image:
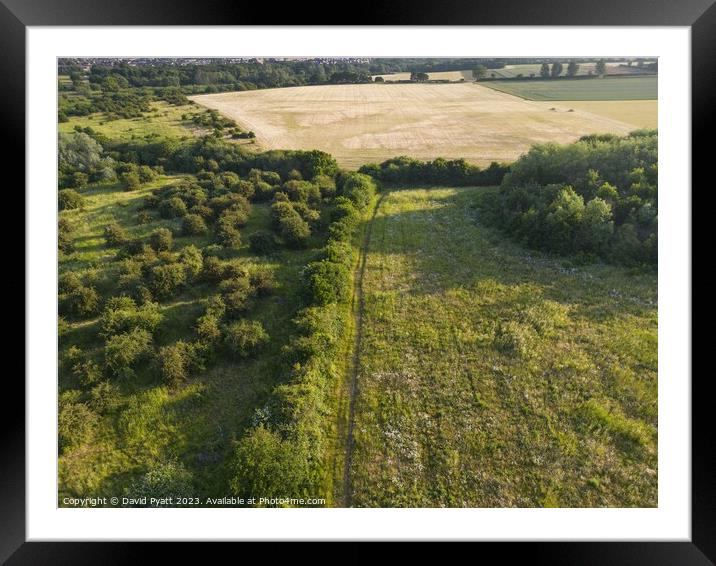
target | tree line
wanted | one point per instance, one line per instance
(596, 198)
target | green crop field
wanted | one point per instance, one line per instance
(533, 69)
(632, 88)
(490, 376)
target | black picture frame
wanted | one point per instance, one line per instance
(699, 15)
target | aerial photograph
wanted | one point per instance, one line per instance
(357, 282)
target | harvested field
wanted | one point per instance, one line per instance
(373, 122)
(436, 76)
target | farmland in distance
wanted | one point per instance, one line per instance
(373, 122)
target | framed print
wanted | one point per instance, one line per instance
(398, 280)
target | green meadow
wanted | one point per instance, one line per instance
(490, 376)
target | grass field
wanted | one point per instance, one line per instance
(373, 122)
(493, 377)
(165, 120)
(632, 88)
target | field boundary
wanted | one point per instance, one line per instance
(357, 303)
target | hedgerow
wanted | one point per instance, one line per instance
(287, 451)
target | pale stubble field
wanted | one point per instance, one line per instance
(372, 122)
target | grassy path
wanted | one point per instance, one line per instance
(358, 306)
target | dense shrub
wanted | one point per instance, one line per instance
(77, 151)
(293, 229)
(166, 279)
(208, 328)
(83, 301)
(328, 282)
(69, 199)
(302, 191)
(173, 207)
(161, 239)
(213, 269)
(167, 481)
(407, 170)
(87, 372)
(227, 227)
(264, 463)
(65, 233)
(115, 235)
(193, 261)
(236, 294)
(130, 180)
(358, 188)
(193, 225)
(326, 185)
(596, 197)
(104, 397)
(121, 314)
(173, 363)
(262, 279)
(244, 337)
(76, 424)
(122, 351)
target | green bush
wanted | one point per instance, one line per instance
(192, 260)
(328, 282)
(130, 180)
(161, 239)
(76, 424)
(173, 207)
(208, 328)
(65, 233)
(262, 279)
(68, 283)
(83, 302)
(104, 397)
(244, 337)
(115, 235)
(121, 314)
(173, 363)
(165, 280)
(213, 270)
(87, 372)
(295, 231)
(236, 294)
(69, 199)
(165, 481)
(193, 225)
(359, 188)
(265, 464)
(122, 351)
(227, 227)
